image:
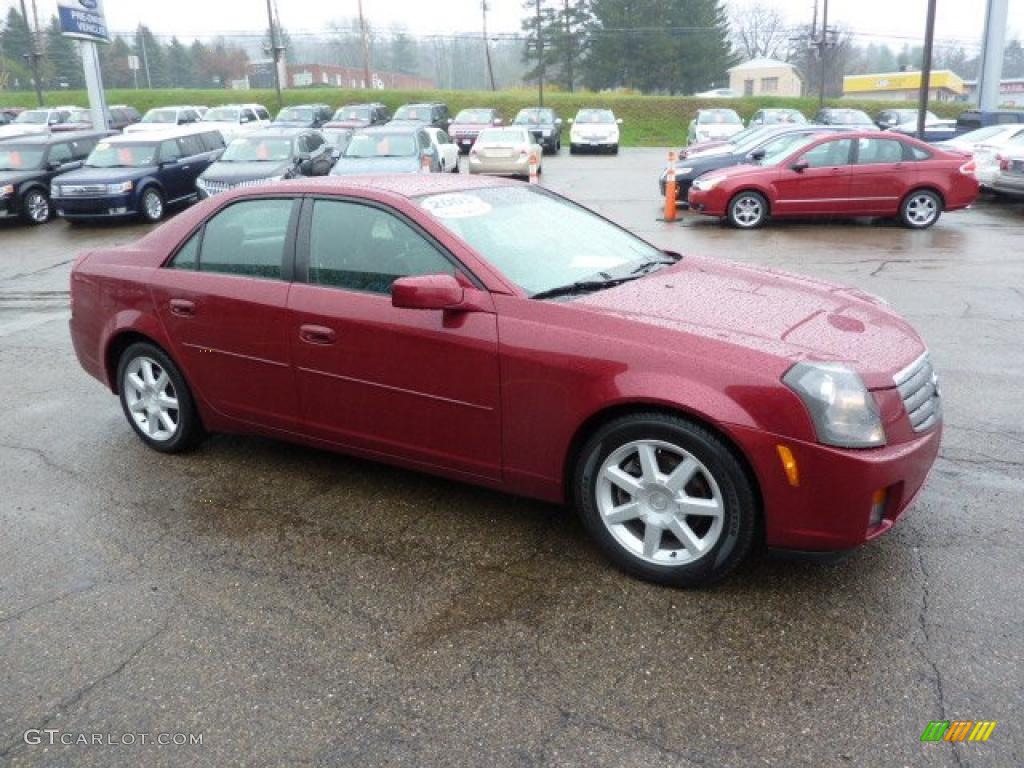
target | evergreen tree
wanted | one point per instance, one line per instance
(115, 65)
(152, 57)
(16, 44)
(64, 64)
(181, 69)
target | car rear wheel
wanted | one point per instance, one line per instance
(666, 499)
(156, 400)
(36, 207)
(152, 205)
(920, 209)
(748, 210)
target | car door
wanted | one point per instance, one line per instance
(880, 176)
(173, 170)
(815, 181)
(222, 301)
(420, 384)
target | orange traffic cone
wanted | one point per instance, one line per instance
(534, 170)
(670, 188)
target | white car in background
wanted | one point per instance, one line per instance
(506, 151)
(234, 120)
(717, 93)
(36, 121)
(985, 145)
(713, 125)
(595, 129)
(447, 150)
(162, 118)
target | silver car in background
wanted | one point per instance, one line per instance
(505, 152)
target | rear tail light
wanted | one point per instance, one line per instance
(969, 168)
(1004, 162)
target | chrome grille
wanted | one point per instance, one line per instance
(83, 190)
(918, 385)
(215, 187)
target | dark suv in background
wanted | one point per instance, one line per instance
(432, 113)
(544, 124)
(360, 115)
(304, 116)
(138, 174)
(29, 164)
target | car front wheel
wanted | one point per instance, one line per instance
(666, 499)
(152, 205)
(920, 209)
(748, 210)
(156, 400)
(36, 207)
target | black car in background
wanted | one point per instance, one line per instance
(304, 116)
(749, 151)
(120, 116)
(361, 115)
(267, 155)
(973, 119)
(7, 116)
(851, 118)
(138, 174)
(30, 163)
(890, 118)
(544, 124)
(433, 113)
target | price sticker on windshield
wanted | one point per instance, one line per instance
(456, 206)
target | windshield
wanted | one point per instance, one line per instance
(221, 115)
(506, 136)
(748, 139)
(595, 116)
(413, 113)
(352, 113)
(33, 117)
(250, 150)
(295, 115)
(474, 116)
(161, 116)
(537, 240)
(777, 151)
(849, 117)
(337, 137)
(381, 145)
(122, 156)
(719, 116)
(534, 116)
(777, 116)
(20, 158)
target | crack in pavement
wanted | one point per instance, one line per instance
(48, 601)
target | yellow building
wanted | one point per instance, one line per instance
(765, 77)
(944, 85)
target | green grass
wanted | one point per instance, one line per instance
(651, 121)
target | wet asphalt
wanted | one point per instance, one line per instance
(298, 608)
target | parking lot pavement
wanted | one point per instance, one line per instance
(300, 608)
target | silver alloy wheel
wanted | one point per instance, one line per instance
(153, 205)
(922, 209)
(660, 502)
(747, 211)
(151, 398)
(37, 207)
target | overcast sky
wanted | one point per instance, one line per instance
(892, 21)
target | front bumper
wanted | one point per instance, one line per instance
(512, 166)
(8, 207)
(830, 509)
(1008, 184)
(711, 202)
(106, 207)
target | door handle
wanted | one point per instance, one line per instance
(838, 171)
(183, 308)
(317, 334)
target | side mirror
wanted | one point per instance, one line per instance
(53, 165)
(619, 121)
(757, 154)
(800, 166)
(427, 292)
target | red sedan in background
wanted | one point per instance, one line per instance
(862, 174)
(496, 333)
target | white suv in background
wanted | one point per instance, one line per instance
(234, 120)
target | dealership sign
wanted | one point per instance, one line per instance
(83, 19)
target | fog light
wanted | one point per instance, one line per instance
(789, 465)
(118, 211)
(878, 499)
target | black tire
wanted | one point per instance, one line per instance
(920, 209)
(35, 207)
(189, 429)
(615, 149)
(738, 498)
(154, 211)
(747, 210)
(573, 149)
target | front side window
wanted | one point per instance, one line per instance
(363, 248)
(828, 154)
(247, 239)
(169, 150)
(60, 153)
(187, 256)
(873, 151)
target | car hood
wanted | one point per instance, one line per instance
(596, 128)
(705, 163)
(103, 175)
(376, 165)
(291, 124)
(234, 173)
(348, 124)
(16, 177)
(23, 129)
(790, 317)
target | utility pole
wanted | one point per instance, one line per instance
(145, 58)
(367, 76)
(992, 54)
(275, 51)
(926, 68)
(540, 55)
(487, 45)
(34, 54)
(823, 47)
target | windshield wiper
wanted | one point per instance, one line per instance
(651, 266)
(584, 286)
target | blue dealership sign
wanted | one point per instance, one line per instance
(83, 20)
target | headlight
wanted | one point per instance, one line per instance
(843, 410)
(684, 171)
(120, 189)
(7, 190)
(709, 183)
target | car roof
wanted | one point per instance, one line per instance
(281, 131)
(393, 127)
(45, 139)
(405, 185)
(148, 137)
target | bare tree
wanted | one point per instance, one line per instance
(758, 30)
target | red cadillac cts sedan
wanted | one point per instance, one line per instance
(496, 333)
(848, 174)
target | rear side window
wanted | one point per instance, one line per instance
(247, 239)
(60, 153)
(262, 113)
(80, 149)
(188, 255)
(191, 145)
(917, 153)
(213, 140)
(874, 151)
(169, 150)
